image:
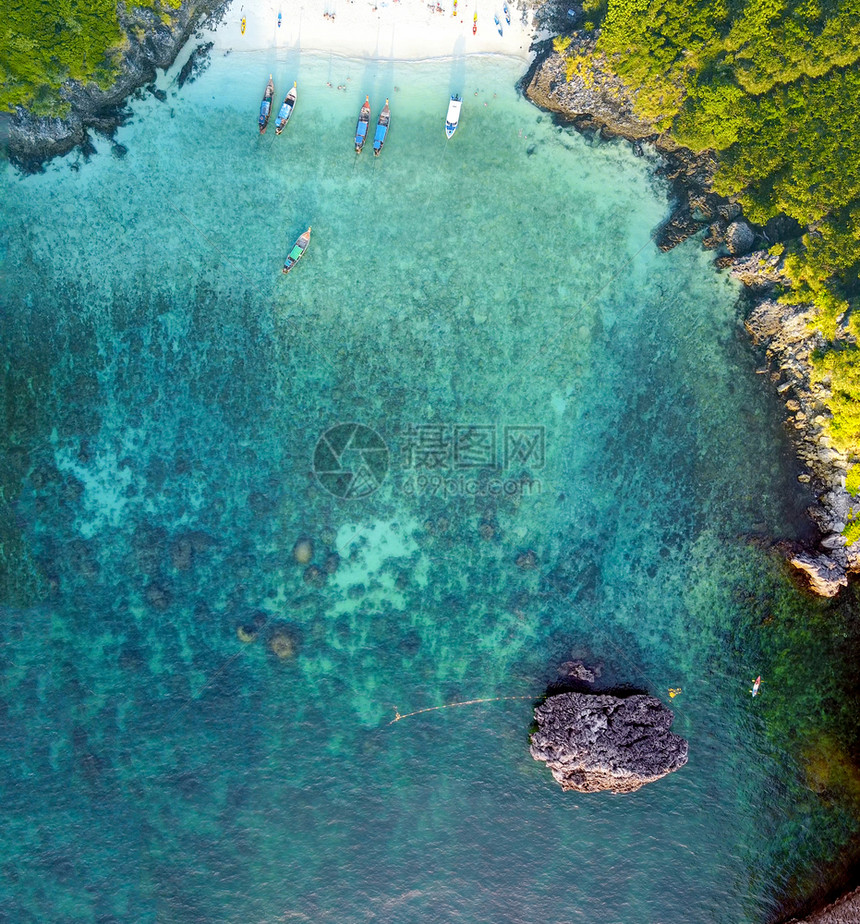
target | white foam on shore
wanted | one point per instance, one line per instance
(366, 29)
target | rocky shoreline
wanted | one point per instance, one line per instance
(595, 100)
(845, 910)
(151, 44)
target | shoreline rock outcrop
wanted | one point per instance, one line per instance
(596, 100)
(597, 742)
(845, 910)
(151, 44)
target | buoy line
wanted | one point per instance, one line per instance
(468, 702)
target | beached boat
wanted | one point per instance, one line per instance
(298, 251)
(382, 127)
(475, 25)
(361, 128)
(498, 24)
(452, 119)
(507, 13)
(266, 105)
(286, 110)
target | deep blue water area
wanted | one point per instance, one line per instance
(483, 428)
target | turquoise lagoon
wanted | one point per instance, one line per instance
(543, 380)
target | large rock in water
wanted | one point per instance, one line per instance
(597, 742)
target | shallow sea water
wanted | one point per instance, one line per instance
(544, 381)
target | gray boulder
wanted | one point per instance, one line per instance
(599, 742)
(740, 238)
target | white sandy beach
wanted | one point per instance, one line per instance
(377, 29)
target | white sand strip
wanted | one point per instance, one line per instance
(377, 29)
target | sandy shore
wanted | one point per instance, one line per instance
(377, 29)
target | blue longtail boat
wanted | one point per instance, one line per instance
(382, 127)
(286, 110)
(266, 105)
(361, 128)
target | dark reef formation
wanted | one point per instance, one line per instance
(596, 742)
(595, 100)
(152, 43)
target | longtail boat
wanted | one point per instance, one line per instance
(507, 13)
(498, 24)
(298, 251)
(286, 110)
(382, 127)
(475, 25)
(361, 128)
(266, 105)
(452, 119)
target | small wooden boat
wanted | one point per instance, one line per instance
(286, 110)
(475, 25)
(452, 119)
(266, 105)
(363, 123)
(243, 25)
(298, 251)
(507, 13)
(382, 127)
(756, 686)
(498, 24)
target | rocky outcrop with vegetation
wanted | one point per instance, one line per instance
(52, 106)
(575, 78)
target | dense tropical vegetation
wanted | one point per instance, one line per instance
(45, 42)
(773, 86)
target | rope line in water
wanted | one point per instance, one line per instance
(467, 702)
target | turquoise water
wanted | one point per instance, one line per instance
(542, 380)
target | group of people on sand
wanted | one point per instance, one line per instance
(328, 16)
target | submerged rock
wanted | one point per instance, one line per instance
(594, 743)
(197, 64)
(303, 551)
(284, 642)
(576, 670)
(246, 634)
